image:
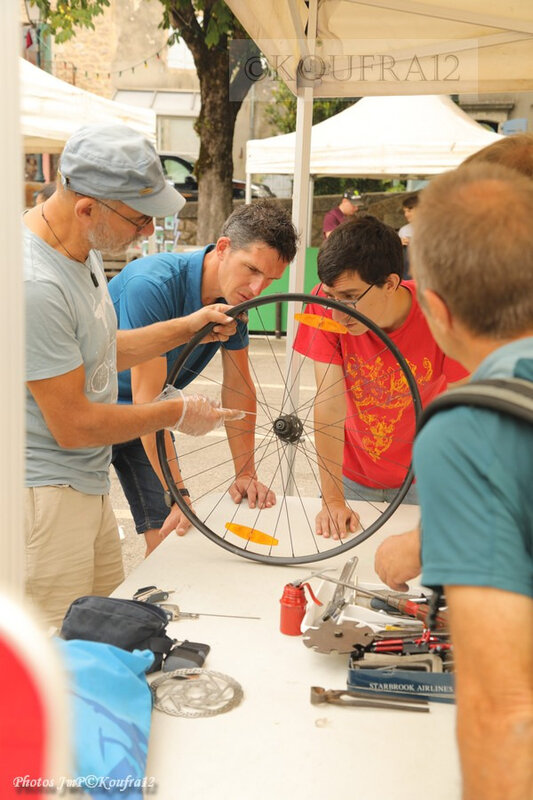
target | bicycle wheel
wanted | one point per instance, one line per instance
(282, 437)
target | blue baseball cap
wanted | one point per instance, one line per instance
(115, 162)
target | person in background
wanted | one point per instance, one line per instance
(44, 193)
(110, 186)
(409, 210)
(255, 246)
(472, 254)
(409, 206)
(348, 206)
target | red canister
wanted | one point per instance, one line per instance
(293, 605)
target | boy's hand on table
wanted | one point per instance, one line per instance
(336, 520)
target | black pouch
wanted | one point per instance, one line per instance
(124, 623)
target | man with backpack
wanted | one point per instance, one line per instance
(472, 253)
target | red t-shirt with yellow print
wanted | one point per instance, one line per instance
(380, 424)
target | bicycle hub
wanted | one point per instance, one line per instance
(288, 428)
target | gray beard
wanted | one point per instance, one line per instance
(102, 238)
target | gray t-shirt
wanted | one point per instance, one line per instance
(69, 322)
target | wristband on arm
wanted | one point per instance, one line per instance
(169, 500)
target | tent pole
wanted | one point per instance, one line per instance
(300, 204)
(311, 197)
(300, 199)
(248, 189)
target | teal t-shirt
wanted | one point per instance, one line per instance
(159, 288)
(474, 470)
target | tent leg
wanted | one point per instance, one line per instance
(300, 203)
(311, 196)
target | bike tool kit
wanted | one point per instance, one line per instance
(397, 643)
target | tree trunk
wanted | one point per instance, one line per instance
(215, 126)
(219, 104)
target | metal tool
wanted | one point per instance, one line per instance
(331, 637)
(338, 599)
(344, 697)
(425, 643)
(405, 632)
(176, 613)
(151, 594)
(195, 693)
(406, 606)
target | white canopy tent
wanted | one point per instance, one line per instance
(379, 137)
(354, 48)
(51, 110)
(360, 48)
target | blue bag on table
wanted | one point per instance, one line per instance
(111, 715)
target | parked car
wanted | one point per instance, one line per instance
(180, 171)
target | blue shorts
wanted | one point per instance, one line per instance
(140, 484)
(356, 491)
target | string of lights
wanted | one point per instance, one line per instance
(58, 60)
(109, 73)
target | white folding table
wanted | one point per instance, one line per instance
(275, 744)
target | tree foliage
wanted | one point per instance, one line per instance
(208, 28)
(61, 19)
(213, 21)
(282, 113)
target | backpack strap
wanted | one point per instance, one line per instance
(512, 396)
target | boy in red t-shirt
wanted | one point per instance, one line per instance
(368, 428)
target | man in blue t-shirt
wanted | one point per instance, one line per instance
(472, 253)
(256, 244)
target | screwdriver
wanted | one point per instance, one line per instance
(434, 644)
(176, 613)
(409, 608)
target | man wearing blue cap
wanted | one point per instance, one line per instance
(110, 186)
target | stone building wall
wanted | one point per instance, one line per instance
(386, 206)
(86, 58)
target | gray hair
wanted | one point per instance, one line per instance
(264, 221)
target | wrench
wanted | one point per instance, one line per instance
(343, 697)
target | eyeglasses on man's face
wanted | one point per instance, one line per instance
(139, 224)
(349, 302)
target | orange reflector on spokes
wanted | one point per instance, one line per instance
(252, 534)
(322, 323)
